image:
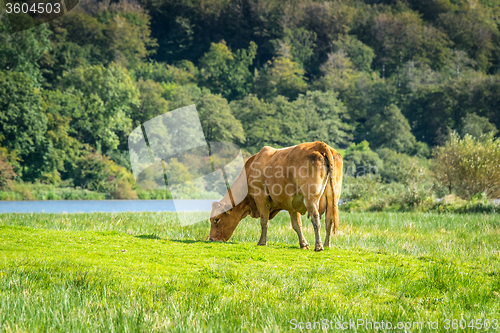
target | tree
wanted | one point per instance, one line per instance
(360, 160)
(477, 126)
(282, 76)
(216, 116)
(328, 20)
(181, 95)
(398, 38)
(326, 118)
(20, 52)
(226, 73)
(291, 119)
(280, 123)
(7, 162)
(359, 54)
(101, 33)
(430, 9)
(469, 166)
(151, 102)
(62, 147)
(217, 121)
(128, 32)
(107, 96)
(183, 73)
(22, 123)
(390, 129)
(399, 167)
(301, 43)
(366, 97)
(477, 39)
(96, 172)
(432, 109)
(338, 72)
(259, 121)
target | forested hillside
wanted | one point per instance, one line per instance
(386, 80)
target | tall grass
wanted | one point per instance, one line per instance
(460, 236)
(145, 272)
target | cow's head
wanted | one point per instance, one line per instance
(223, 221)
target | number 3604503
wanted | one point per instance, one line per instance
(35, 8)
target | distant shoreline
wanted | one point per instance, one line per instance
(106, 206)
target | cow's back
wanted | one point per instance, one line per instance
(283, 177)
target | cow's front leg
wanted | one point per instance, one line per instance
(264, 223)
(297, 226)
(315, 220)
(263, 207)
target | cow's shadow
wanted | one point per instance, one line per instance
(184, 241)
(190, 241)
(152, 236)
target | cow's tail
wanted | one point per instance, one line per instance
(332, 203)
(332, 171)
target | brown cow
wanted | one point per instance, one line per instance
(298, 179)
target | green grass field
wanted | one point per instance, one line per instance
(144, 272)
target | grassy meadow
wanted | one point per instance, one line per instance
(141, 272)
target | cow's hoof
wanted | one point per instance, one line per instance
(318, 248)
(261, 244)
(305, 247)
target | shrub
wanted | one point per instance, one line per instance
(477, 126)
(96, 172)
(358, 187)
(93, 172)
(469, 166)
(417, 193)
(400, 167)
(478, 204)
(7, 174)
(154, 194)
(368, 193)
(360, 160)
(38, 191)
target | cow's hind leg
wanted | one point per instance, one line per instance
(312, 208)
(297, 226)
(329, 216)
(332, 222)
(332, 215)
(329, 227)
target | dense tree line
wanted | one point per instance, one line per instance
(391, 76)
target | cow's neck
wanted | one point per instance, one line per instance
(241, 210)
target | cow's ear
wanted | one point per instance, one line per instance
(215, 205)
(227, 208)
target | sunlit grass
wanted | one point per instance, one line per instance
(143, 272)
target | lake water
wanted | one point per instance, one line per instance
(90, 206)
